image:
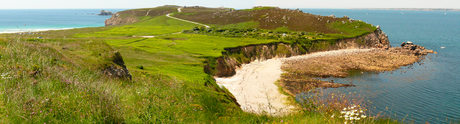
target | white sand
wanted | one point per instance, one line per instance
(254, 86)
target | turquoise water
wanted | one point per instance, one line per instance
(427, 91)
(49, 19)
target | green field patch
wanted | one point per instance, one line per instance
(350, 30)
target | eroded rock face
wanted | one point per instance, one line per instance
(226, 65)
(117, 71)
(117, 20)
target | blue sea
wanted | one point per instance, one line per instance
(428, 91)
(29, 20)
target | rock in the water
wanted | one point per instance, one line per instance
(409, 43)
(105, 13)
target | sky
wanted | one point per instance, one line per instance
(238, 4)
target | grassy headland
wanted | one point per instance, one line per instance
(59, 78)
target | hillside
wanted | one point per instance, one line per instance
(63, 76)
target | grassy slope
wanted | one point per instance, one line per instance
(171, 86)
(272, 18)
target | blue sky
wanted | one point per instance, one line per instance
(238, 4)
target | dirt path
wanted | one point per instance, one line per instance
(254, 86)
(168, 15)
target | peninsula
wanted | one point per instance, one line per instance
(178, 64)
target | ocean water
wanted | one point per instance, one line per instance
(29, 20)
(423, 92)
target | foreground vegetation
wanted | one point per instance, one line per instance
(58, 78)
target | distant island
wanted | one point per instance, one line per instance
(105, 13)
(411, 9)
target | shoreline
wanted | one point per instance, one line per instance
(254, 86)
(36, 30)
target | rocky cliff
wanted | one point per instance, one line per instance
(233, 57)
(117, 20)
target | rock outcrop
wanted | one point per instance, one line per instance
(118, 69)
(105, 13)
(117, 20)
(411, 48)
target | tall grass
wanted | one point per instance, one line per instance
(38, 86)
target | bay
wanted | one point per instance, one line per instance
(423, 92)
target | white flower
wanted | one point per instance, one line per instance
(358, 118)
(352, 118)
(340, 116)
(344, 109)
(343, 112)
(332, 116)
(361, 111)
(347, 118)
(363, 116)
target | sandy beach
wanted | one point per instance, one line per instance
(254, 86)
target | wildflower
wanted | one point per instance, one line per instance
(361, 111)
(343, 112)
(281, 121)
(332, 116)
(352, 118)
(358, 118)
(350, 113)
(363, 116)
(344, 109)
(340, 116)
(346, 118)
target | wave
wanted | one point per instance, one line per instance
(6, 31)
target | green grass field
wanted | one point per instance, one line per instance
(57, 79)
